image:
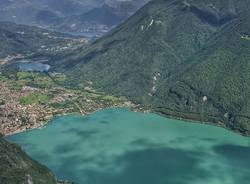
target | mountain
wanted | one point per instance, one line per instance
(28, 40)
(98, 20)
(16, 167)
(184, 58)
(69, 15)
(31, 11)
(125, 7)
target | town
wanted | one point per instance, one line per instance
(31, 99)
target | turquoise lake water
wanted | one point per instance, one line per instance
(117, 146)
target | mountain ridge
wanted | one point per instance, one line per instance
(68, 15)
(16, 167)
(177, 57)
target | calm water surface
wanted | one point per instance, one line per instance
(117, 146)
(33, 67)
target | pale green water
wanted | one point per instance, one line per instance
(117, 146)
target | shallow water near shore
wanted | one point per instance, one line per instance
(118, 146)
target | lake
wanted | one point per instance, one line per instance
(33, 67)
(117, 146)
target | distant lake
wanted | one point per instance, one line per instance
(117, 146)
(33, 67)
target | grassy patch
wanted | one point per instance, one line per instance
(35, 98)
(43, 82)
(24, 75)
(3, 78)
(110, 98)
(35, 79)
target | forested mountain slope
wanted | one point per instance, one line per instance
(186, 58)
(27, 40)
(16, 167)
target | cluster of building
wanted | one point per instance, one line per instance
(16, 117)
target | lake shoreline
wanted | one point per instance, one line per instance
(33, 99)
(153, 144)
(45, 123)
(133, 108)
(190, 120)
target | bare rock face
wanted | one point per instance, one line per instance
(29, 179)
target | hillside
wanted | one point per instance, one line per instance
(184, 58)
(98, 20)
(24, 41)
(16, 167)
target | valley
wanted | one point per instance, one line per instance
(31, 99)
(165, 85)
(24, 42)
(71, 16)
(110, 91)
(31, 92)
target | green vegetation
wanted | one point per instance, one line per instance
(34, 79)
(170, 57)
(108, 98)
(16, 167)
(35, 98)
(25, 75)
(27, 40)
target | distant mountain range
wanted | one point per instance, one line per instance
(28, 11)
(69, 15)
(184, 58)
(100, 19)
